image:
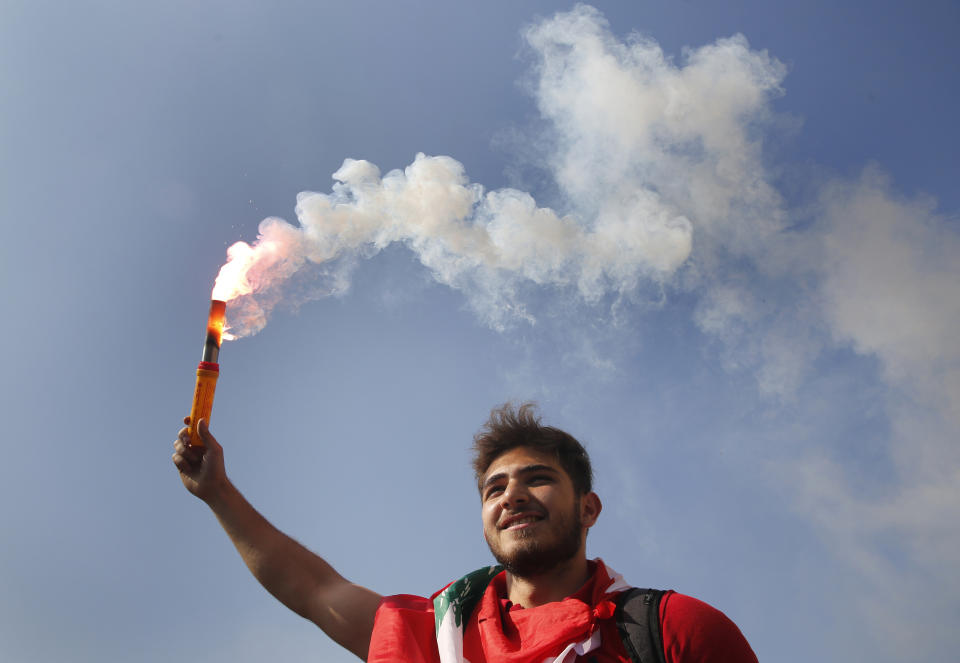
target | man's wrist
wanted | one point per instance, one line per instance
(219, 493)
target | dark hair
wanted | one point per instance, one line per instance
(512, 426)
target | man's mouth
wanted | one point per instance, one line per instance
(520, 521)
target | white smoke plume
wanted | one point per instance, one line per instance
(481, 243)
(648, 153)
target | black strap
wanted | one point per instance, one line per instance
(638, 620)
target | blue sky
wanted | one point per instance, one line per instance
(717, 241)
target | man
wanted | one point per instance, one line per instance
(548, 603)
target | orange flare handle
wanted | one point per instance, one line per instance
(207, 374)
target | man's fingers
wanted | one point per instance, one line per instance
(183, 439)
(182, 464)
(193, 455)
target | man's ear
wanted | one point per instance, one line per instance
(590, 508)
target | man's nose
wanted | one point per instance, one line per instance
(514, 494)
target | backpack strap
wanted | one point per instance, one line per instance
(638, 620)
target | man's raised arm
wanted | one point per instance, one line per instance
(298, 578)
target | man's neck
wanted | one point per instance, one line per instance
(554, 585)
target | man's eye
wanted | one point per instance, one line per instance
(494, 491)
(541, 479)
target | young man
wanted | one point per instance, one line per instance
(544, 602)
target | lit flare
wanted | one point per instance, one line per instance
(208, 370)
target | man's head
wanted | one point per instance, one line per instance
(535, 492)
(509, 427)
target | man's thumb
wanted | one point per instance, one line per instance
(204, 430)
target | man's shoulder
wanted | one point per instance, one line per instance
(694, 631)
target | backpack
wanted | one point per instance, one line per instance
(638, 621)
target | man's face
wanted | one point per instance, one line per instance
(533, 519)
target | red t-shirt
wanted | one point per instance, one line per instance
(695, 632)
(498, 632)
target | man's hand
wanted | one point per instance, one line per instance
(201, 468)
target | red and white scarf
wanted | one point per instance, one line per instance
(413, 629)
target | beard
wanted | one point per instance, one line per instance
(532, 556)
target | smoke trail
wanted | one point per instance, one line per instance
(480, 243)
(640, 157)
